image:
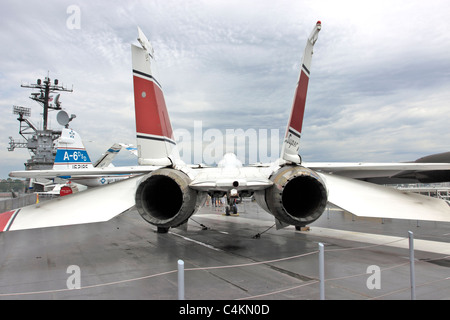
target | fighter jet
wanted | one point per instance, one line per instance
(170, 191)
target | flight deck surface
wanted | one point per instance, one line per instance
(236, 257)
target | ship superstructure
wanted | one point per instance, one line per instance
(39, 140)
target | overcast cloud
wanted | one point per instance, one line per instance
(379, 87)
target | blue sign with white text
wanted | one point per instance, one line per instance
(71, 156)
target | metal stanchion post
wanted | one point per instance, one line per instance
(321, 272)
(180, 280)
(411, 264)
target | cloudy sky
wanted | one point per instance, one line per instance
(379, 87)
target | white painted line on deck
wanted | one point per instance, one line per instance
(402, 242)
(419, 245)
(197, 242)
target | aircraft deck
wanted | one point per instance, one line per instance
(126, 259)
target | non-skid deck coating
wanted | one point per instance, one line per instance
(126, 259)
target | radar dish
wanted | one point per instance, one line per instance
(63, 118)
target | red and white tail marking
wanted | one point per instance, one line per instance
(291, 144)
(7, 219)
(156, 145)
(151, 113)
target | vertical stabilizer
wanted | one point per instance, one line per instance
(70, 152)
(291, 144)
(107, 157)
(155, 142)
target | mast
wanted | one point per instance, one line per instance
(43, 97)
(39, 142)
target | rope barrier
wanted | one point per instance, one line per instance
(408, 288)
(90, 286)
(280, 291)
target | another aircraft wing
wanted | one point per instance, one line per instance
(93, 205)
(362, 170)
(369, 200)
(68, 174)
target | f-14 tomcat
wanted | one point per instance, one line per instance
(168, 192)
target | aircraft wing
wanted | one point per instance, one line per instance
(93, 205)
(68, 174)
(362, 170)
(370, 200)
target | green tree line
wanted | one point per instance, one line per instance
(17, 185)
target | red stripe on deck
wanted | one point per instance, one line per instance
(4, 219)
(150, 109)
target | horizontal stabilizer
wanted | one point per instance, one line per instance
(67, 174)
(93, 205)
(367, 170)
(371, 200)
